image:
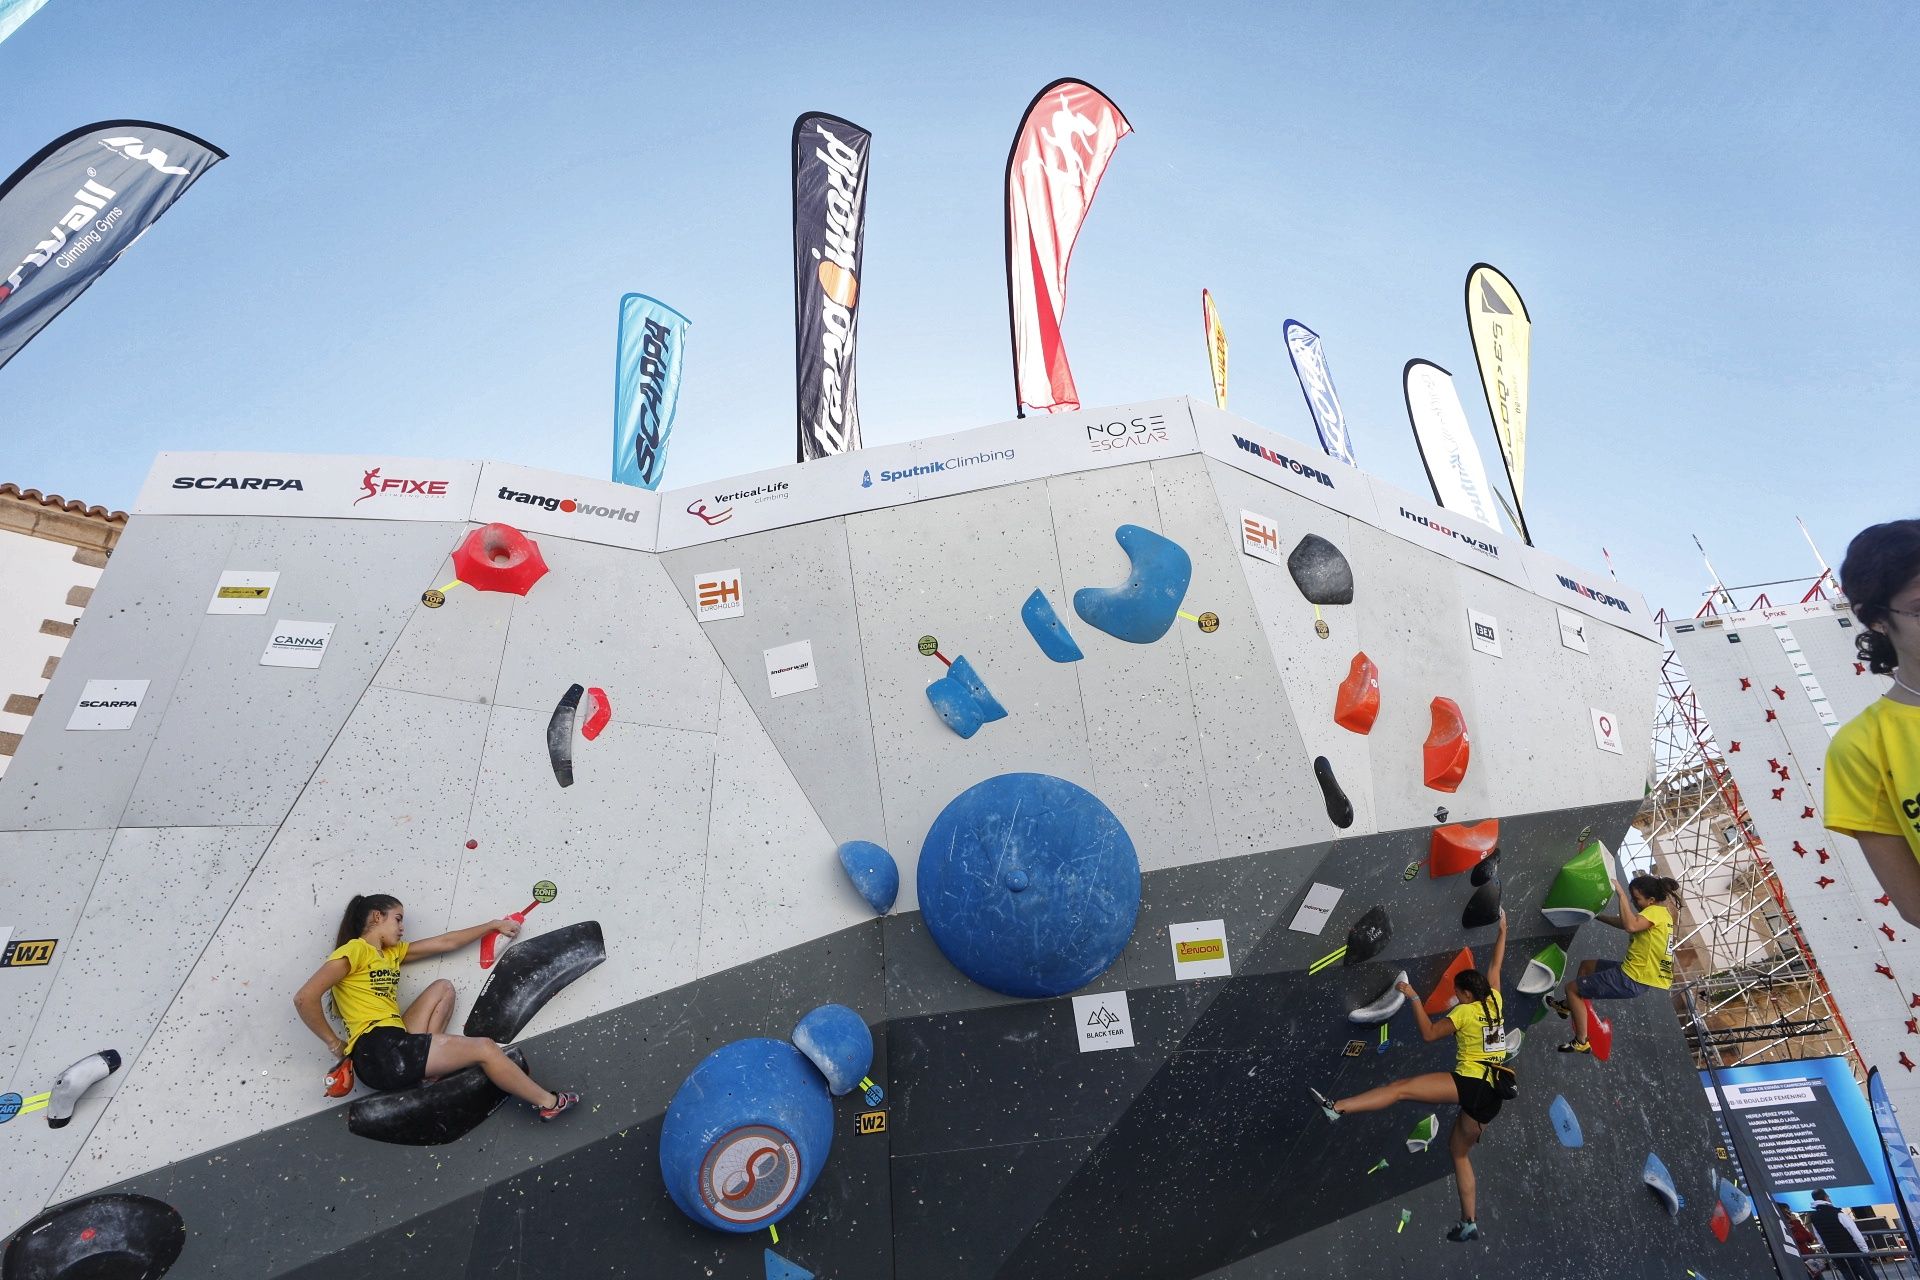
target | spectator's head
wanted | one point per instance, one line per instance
(1823, 1197)
(1881, 576)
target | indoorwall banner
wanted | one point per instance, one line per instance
(1216, 348)
(1503, 347)
(1447, 450)
(829, 230)
(1060, 153)
(646, 386)
(1316, 383)
(67, 214)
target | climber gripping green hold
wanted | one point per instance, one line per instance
(1581, 889)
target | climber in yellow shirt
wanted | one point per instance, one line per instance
(1646, 914)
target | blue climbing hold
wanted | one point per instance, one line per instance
(746, 1135)
(1140, 609)
(1737, 1203)
(778, 1268)
(873, 872)
(1044, 625)
(1566, 1125)
(962, 700)
(836, 1040)
(1660, 1182)
(1029, 884)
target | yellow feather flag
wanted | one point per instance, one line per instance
(1216, 349)
(1503, 347)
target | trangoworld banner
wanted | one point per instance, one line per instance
(1216, 348)
(646, 384)
(15, 12)
(69, 212)
(1503, 347)
(1059, 155)
(1316, 383)
(829, 228)
(1447, 450)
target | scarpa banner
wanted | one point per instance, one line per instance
(68, 213)
(1906, 1178)
(1316, 383)
(1447, 450)
(1216, 348)
(15, 12)
(646, 385)
(1059, 155)
(1503, 346)
(829, 228)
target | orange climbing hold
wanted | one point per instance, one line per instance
(1599, 1034)
(1455, 847)
(498, 557)
(1442, 998)
(1358, 703)
(1447, 750)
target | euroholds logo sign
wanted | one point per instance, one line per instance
(571, 506)
(1478, 544)
(1282, 460)
(1598, 597)
(932, 468)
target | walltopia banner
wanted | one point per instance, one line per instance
(68, 214)
(1447, 450)
(1503, 347)
(1060, 152)
(646, 387)
(829, 229)
(1216, 348)
(1316, 383)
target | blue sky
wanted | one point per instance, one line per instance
(432, 208)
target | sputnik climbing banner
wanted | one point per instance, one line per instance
(1906, 1179)
(1503, 347)
(646, 386)
(15, 12)
(829, 230)
(68, 213)
(1447, 450)
(1216, 348)
(1316, 383)
(1059, 154)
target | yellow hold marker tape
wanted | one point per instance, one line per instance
(37, 1102)
(1326, 960)
(774, 1231)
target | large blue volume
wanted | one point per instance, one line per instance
(646, 385)
(1140, 609)
(1029, 884)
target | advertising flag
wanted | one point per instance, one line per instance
(1906, 1178)
(68, 213)
(1316, 383)
(15, 12)
(646, 386)
(829, 228)
(1503, 347)
(1059, 155)
(1216, 348)
(1447, 450)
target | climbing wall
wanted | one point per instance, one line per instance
(763, 649)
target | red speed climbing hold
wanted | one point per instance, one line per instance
(1905, 1061)
(1807, 812)
(1441, 999)
(1824, 881)
(1824, 855)
(1745, 684)
(1882, 969)
(1779, 693)
(1913, 1026)
(1733, 746)
(1859, 668)
(1455, 848)
(597, 720)
(1358, 702)
(1772, 714)
(1779, 793)
(1773, 764)
(1799, 848)
(1885, 899)
(498, 557)
(473, 844)
(1888, 930)
(1447, 750)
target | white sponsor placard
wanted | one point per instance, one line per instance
(1303, 469)
(1200, 949)
(1260, 537)
(790, 669)
(289, 484)
(296, 644)
(1583, 591)
(1484, 629)
(243, 591)
(718, 594)
(108, 704)
(1573, 629)
(1103, 1021)
(1318, 908)
(782, 496)
(1606, 730)
(537, 502)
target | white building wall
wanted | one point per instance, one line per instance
(43, 590)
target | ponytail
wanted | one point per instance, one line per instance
(354, 922)
(1657, 889)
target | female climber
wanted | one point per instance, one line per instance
(391, 1050)
(1646, 912)
(1873, 763)
(1478, 1027)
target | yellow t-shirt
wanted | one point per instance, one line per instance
(1476, 1040)
(1649, 959)
(1873, 773)
(368, 996)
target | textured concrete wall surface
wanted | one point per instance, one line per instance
(189, 866)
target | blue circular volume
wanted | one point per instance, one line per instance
(1029, 884)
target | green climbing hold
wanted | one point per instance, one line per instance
(1423, 1133)
(1581, 889)
(1544, 971)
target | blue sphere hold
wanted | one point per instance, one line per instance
(873, 872)
(1029, 884)
(746, 1135)
(836, 1040)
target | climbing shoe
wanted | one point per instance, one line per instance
(1326, 1104)
(561, 1101)
(1464, 1230)
(1558, 1005)
(1576, 1046)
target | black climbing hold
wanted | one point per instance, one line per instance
(111, 1237)
(1440, 814)
(1339, 808)
(1369, 936)
(530, 974)
(560, 734)
(1321, 572)
(1487, 868)
(429, 1115)
(1483, 908)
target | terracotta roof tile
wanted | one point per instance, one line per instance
(10, 490)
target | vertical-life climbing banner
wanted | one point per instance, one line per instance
(1059, 154)
(1906, 1178)
(1316, 383)
(1503, 348)
(1216, 348)
(1447, 450)
(646, 386)
(15, 12)
(68, 213)
(829, 229)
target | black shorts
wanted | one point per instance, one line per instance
(1477, 1098)
(391, 1058)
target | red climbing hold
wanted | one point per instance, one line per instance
(498, 557)
(1824, 881)
(1886, 900)
(1779, 693)
(473, 844)
(1721, 1223)
(1599, 1034)
(1779, 793)
(1799, 848)
(1447, 750)
(1880, 968)
(1824, 855)
(1442, 999)
(1859, 668)
(1784, 775)
(1745, 684)
(1905, 1061)
(1913, 1003)
(1913, 1026)
(1772, 714)
(1455, 848)
(1888, 930)
(1806, 812)
(1773, 764)
(1357, 704)
(1732, 747)
(602, 712)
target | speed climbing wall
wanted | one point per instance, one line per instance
(290, 689)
